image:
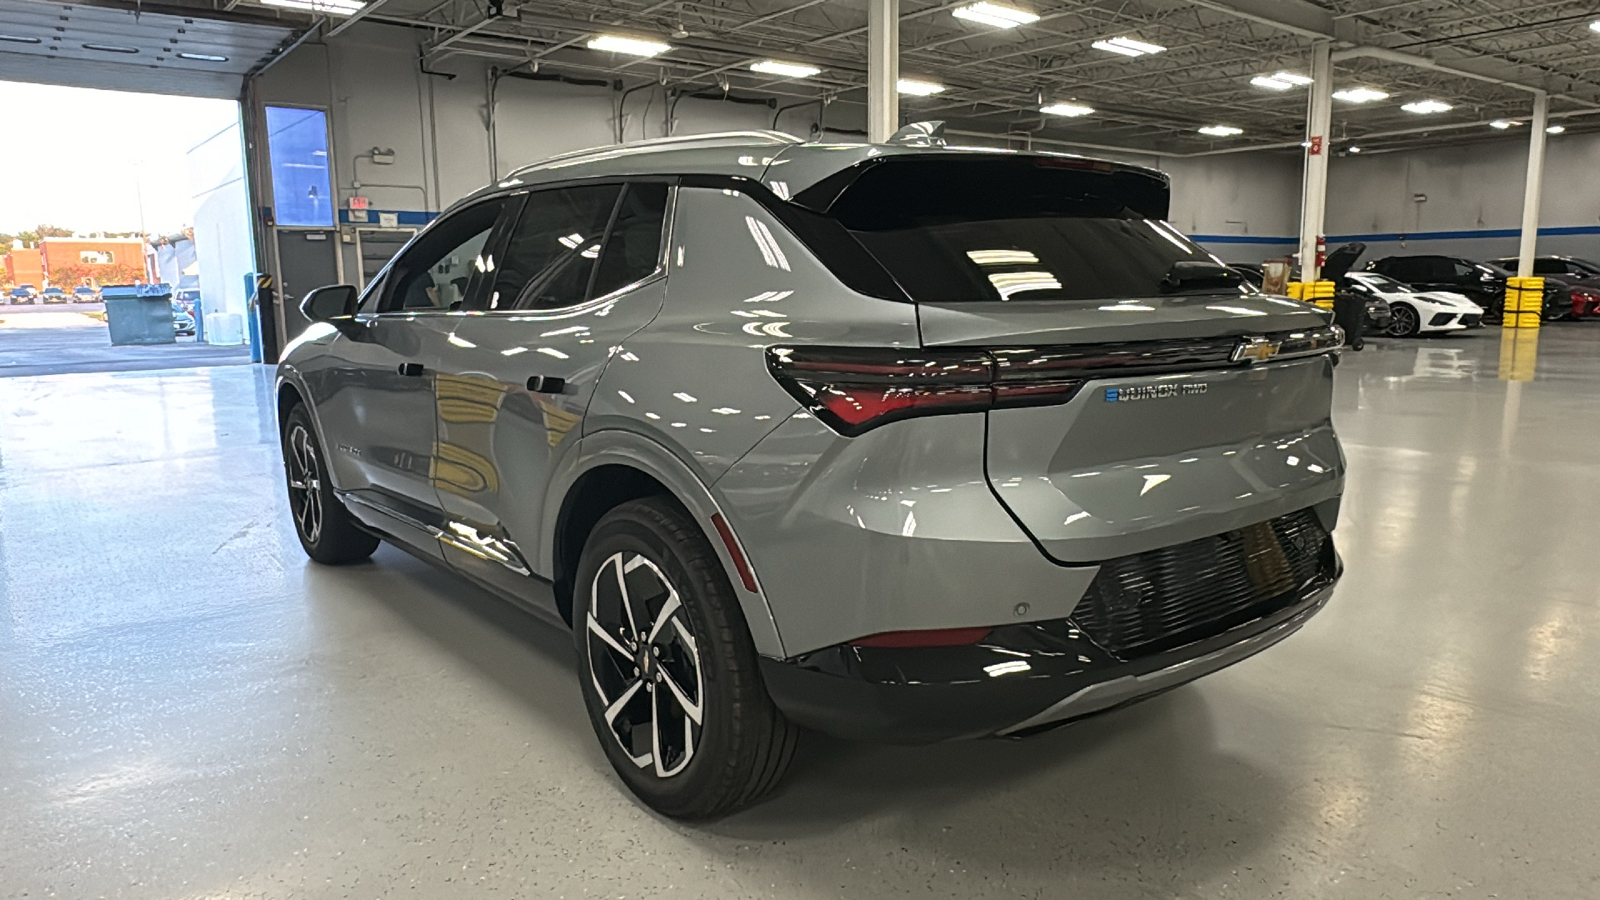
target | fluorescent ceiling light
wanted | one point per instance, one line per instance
(111, 48)
(331, 7)
(1354, 150)
(787, 70)
(1071, 110)
(1360, 95)
(1595, 25)
(1221, 130)
(1270, 83)
(1427, 106)
(995, 14)
(612, 43)
(917, 88)
(18, 39)
(204, 57)
(1555, 129)
(1128, 46)
(1292, 78)
(1502, 124)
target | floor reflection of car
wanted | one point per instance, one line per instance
(23, 293)
(1416, 312)
(54, 295)
(787, 462)
(85, 294)
(1580, 277)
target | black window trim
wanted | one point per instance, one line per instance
(475, 305)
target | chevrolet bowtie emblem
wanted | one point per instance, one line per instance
(1256, 350)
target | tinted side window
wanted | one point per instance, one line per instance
(436, 272)
(633, 247)
(1398, 269)
(1460, 271)
(550, 254)
(1544, 266)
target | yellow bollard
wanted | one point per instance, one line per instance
(1297, 290)
(1524, 302)
(1320, 293)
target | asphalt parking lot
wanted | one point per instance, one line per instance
(57, 340)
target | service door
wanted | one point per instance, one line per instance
(518, 373)
(308, 258)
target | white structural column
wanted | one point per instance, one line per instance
(1535, 185)
(883, 69)
(1314, 200)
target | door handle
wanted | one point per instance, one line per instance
(410, 370)
(546, 384)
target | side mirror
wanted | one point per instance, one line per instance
(335, 301)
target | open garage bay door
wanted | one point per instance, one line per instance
(157, 49)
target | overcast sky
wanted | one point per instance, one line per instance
(72, 157)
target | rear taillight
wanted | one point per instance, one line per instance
(854, 389)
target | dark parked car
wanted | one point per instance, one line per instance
(54, 295)
(884, 454)
(1482, 283)
(1580, 277)
(23, 293)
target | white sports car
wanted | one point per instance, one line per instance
(1417, 312)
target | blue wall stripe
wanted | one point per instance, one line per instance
(1381, 237)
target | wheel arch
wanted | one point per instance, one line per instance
(611, 467)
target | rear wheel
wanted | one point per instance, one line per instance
(326, 529)
(668, 670)
(1405, 321)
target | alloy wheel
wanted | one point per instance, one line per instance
(1404, 323)
(305, 484)
(645, 664)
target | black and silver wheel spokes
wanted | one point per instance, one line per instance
(305, 483)
(645, 663)
(1403, 322)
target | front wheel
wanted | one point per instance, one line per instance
(668, 669)
(1405, 321)
(326, 529)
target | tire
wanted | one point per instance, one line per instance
(1406, 322)
(326, 529)
(690, 632)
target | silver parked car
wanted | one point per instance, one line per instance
(895, 442)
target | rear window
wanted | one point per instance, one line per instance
(1022, 228)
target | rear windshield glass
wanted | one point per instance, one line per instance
(1018, 229)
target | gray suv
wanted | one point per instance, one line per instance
(894, 442)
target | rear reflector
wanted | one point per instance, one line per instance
(739, 562)
(935, 637)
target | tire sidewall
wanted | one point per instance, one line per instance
(627, 530)
(300, 416)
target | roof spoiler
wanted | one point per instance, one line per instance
(919, 134)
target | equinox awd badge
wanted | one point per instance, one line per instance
(1154, 391)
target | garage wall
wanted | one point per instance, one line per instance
(1241, 206)
(1474, 199)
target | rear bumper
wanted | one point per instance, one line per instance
(1021, 679)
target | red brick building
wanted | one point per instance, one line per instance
(67, 262)
(24, 266)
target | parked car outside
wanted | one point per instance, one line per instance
(188, 298)
(54, 295)
(886, 456)
(1481, 283)
(1581, 277)
(1417, 312)
(85, 294)
(182, 320)
(23, 293)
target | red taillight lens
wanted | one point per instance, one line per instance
(934, 637)
(854, 389)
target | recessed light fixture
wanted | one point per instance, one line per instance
(1555, 129)
(917, 88)
(1271, 83)
(611, 43)
(1426, 107)
(203, 57)
(1360, 95)
(1353, 150)
(331, 7)
(1127, 46)
(110, 48)
(1292, 78)
(995, 15)
(18, 39)
(1221, 130)
(1070, 110)
(1502, 124)
(787, 70)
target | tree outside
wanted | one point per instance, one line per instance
(72, 275)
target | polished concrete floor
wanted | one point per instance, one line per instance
(189, 710)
